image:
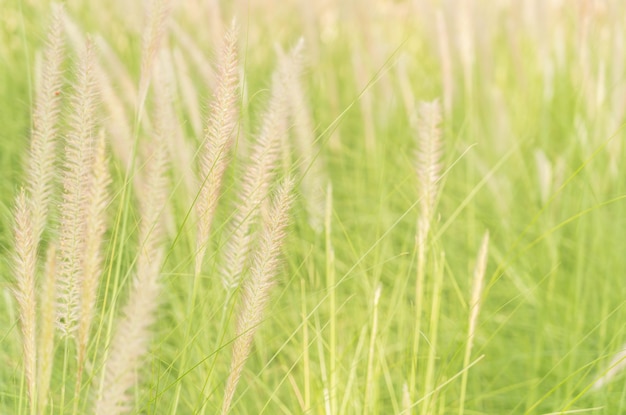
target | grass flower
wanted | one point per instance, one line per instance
(25, 265)
(256, 288)
(256, 182)
(79, 157)
(220, 136)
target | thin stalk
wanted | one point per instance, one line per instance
(369, 377)
(323, 372)
(306, 361)
(477, 288)
(422, 231)
(433, 332)
(331, 287)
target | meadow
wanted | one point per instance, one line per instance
(328, 207)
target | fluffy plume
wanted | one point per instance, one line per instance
(25, 264)
(40, 172)
(428, 156)
(256, 182)
(428, 171)
(95, 214)
(79, 152)
(220, 134)
(256, 287)
(32, 204)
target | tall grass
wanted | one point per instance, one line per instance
(326, 208)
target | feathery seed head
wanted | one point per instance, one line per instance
(428, 155)
(255, 292)
(220, 136)
(256, 183)
(25, 264)
(41, 171)
(80, 146)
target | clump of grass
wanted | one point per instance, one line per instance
(149, 229)
(32, 211)
(74, 264)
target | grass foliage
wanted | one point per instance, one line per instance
(338, 207)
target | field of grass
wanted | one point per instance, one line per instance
(333, 207)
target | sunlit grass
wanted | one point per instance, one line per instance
(532, 135)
